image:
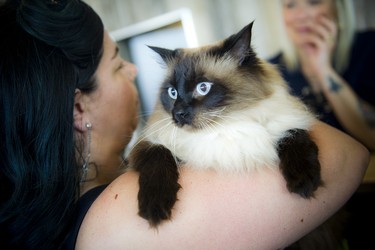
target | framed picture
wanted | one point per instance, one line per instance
(171, 30)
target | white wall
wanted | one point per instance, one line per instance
(213, 19)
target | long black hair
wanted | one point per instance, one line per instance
(48, 48)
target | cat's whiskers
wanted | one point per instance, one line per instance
(228, 118)
(173, 142)
(156, 124)
(146, 135)
(205, 121)
(205, 124)
(213, 124)
(216, 112)
(210, 126)
(216, 115)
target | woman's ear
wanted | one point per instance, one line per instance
(78, 111)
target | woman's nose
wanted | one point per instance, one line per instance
(131, 71)
(303, 12)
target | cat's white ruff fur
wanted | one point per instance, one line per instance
(245, 142)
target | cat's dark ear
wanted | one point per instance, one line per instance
(238, 45)
(166, 54)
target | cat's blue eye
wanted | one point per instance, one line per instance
(203, 88)
(172, 92)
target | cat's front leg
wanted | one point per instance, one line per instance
(299, 163)
(158, 181)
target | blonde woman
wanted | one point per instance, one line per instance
(329, 65)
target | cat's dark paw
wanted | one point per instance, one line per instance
(299, 163)
(158, 181)
(156, 201)
(306, 183)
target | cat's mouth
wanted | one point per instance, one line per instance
(182, 118)
(185, 123)
(190, 120)
(188, 127)
(191, 125)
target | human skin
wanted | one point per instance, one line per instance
(239, 211)
(112, 109)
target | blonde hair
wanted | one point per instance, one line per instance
(346, 31)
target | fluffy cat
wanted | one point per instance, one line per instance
(222, 107)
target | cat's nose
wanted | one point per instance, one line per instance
(181, 118)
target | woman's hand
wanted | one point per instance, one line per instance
(315, 49)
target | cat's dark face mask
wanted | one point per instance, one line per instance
(197, 89)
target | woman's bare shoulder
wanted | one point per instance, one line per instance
(215, 211)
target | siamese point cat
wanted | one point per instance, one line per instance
(222, 107)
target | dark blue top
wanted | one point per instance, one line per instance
(84, 204)
(360, 75)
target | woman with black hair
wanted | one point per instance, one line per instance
(49, 51)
